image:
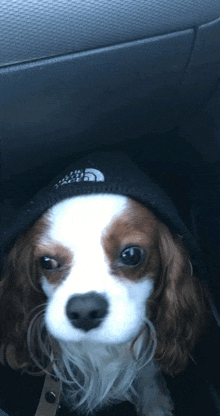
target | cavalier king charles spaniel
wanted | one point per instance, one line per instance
(101, 294)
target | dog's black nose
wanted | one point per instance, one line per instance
(87, 311)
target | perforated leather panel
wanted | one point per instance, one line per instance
(34, 29)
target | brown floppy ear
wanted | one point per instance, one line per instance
(19, 294)
(177, 306)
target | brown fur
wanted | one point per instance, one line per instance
(20, 292)
(62, 256)
(137, 227)
(177, 306)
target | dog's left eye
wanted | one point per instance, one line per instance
(49, 263)
(132, 256)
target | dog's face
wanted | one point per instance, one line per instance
(98, 258)
(97, 268)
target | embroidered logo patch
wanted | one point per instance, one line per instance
(82, 175)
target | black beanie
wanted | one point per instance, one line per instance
(105, 172)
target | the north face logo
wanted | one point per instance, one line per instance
(82, 175)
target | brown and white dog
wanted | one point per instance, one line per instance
(100, 290)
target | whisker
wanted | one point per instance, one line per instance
(78, 365)
(40, 343)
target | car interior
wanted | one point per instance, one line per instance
(141, 76)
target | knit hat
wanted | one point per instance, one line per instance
(104, 172)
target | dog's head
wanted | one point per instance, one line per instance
(100, 264)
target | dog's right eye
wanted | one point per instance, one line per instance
(48, 263)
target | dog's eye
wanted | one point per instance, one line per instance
(132, 256)
(49, 263)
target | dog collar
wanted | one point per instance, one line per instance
(50, 397)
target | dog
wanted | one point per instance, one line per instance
(101, 293)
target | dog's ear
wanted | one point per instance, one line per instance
(18, 295)
(177, 307)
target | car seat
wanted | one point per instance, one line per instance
(138, 75)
